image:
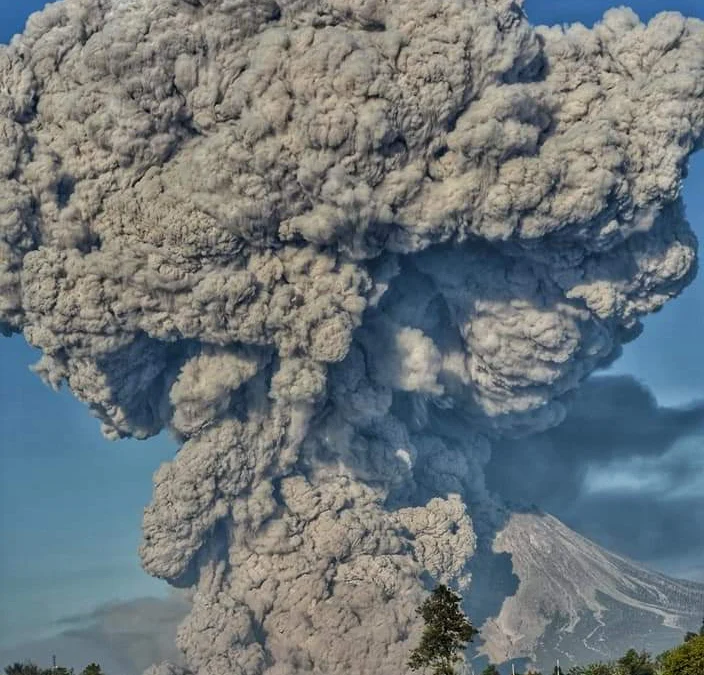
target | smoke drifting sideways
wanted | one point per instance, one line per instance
(335, 247)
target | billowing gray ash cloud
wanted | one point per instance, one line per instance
(335, 246)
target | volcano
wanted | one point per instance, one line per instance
(568, 598)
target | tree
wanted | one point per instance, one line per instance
(592, 669)
(687, 659)
(26, 668)
(29, 668)
(92, 669)
(690, 635)
(634, 663)
(491, 669)
(446, 634)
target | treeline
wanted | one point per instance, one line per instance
(685, 659)
(447, 631)
(445, 639)
(29, 668)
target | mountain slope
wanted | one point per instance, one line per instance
(578, 602)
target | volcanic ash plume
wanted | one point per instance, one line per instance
(334, 246)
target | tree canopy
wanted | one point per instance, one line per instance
(446, 634)
(30, 668)
(491, 669)
(687, 659)
(92, 669)
(635, 663)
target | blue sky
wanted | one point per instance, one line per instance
(71, 502)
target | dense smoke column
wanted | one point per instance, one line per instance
(334, 247)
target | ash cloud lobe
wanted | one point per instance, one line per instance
(335, 247)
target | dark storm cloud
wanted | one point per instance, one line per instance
(644, 527)
(620, 469)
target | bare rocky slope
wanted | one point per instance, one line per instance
(569, 598)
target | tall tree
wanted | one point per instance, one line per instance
(92, 669)
(634, 663)
(446, 634)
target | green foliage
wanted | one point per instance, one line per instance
(446, 634)
(687, 659)
(29, 668)
(26, 668)
(92, 669)
(691, 635)
(593, 669)
(634, 663)
(491, 669)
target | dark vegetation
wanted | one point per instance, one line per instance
(29, 668)
(447, 632)
(685, 659)
(445, 637)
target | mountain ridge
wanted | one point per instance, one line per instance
(574, 599)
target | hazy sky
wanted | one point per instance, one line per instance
(71, 502)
